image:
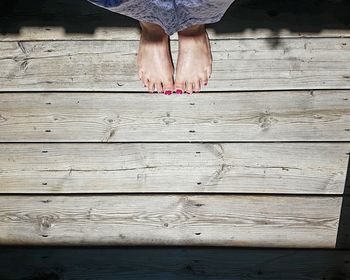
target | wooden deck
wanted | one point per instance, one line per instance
(259, 159)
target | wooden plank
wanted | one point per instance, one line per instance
(151, 263)
(69, 20)
(222, 220)
(134, 117)
(238, 65)
(172, 168)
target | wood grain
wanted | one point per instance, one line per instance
(295, 75)
(80, 20)
(223, 220)
(135, 263)
(135, 117)
(174, 168)
(322, 63)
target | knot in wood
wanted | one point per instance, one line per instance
(45, 222)
(113, 119)
(168, 120)
(2, 119)
(265, 121)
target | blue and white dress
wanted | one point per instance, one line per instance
(171, 15)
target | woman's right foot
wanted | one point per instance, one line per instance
(154, 61)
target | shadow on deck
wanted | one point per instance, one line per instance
(172, 263)
(80, 16)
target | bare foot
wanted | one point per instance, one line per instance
(154, 59)
(193, 67)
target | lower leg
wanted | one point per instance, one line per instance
(153, 31)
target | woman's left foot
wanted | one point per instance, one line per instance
(194, 61)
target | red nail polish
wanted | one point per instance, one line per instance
(179, 91)
(168, 92)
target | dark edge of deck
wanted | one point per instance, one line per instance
(343, 238)
(55, 263)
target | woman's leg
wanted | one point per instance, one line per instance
(193, 67)
(154, 61)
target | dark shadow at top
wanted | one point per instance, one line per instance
(304, 16)
(75, 16)
(80, 16)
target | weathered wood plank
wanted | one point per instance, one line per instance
(238, 65)
(171, 168)
(223, 220)
(172, 263)
(68, 20)
(231, 116)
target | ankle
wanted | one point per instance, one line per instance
(153, 32)
(192, 31)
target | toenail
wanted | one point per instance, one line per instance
(179, 91)
(168, 92)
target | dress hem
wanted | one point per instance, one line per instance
(169, 31)
(182, 26)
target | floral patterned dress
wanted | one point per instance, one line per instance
(171, 15)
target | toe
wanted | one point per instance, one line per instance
(180, 87)
(189, 87)
(153, 87)
(159, 87)
(204, 80)
(197, 86)
(150, 86)
(168, 86)
(141, 75)
(144, 80)
(208, 72)
(168, 92)
(147, 84)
